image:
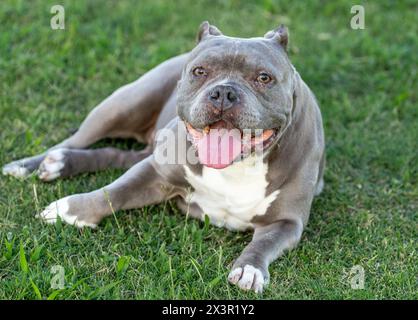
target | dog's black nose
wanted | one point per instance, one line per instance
(223, 96)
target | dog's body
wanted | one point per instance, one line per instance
(212, 87)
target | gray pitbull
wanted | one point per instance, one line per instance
(256, 135)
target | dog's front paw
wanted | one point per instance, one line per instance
(52, 166)
(23, 167)
(16, 169)
(61, 208)
(249, 278)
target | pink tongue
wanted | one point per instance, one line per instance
(219, 148)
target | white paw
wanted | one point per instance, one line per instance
(16, 170)
(50, 168)
(60, 208)
(249, 278)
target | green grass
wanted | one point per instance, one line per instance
(366, 84)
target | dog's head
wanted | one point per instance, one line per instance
(231, 87)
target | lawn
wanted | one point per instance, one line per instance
(365, 82)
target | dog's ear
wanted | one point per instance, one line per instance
(206, 30)
(280, 34)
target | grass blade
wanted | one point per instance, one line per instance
(36, 289)
(22, 259)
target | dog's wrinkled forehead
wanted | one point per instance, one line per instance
(245, 55)
(232, 53)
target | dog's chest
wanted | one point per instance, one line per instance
(231, 197)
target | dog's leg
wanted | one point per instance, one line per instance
(140, 186)
(289, 214)
(130, 111)
(62, 162)
(250, 270)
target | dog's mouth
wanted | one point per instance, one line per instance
(220, 144)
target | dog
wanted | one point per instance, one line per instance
(207, 99)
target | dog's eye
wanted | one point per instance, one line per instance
(199, 72)
(264, 78)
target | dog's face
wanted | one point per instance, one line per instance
(236, 85)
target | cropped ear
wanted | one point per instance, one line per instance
(281, 35)
(206, 30)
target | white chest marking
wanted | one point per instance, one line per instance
(231, 197)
